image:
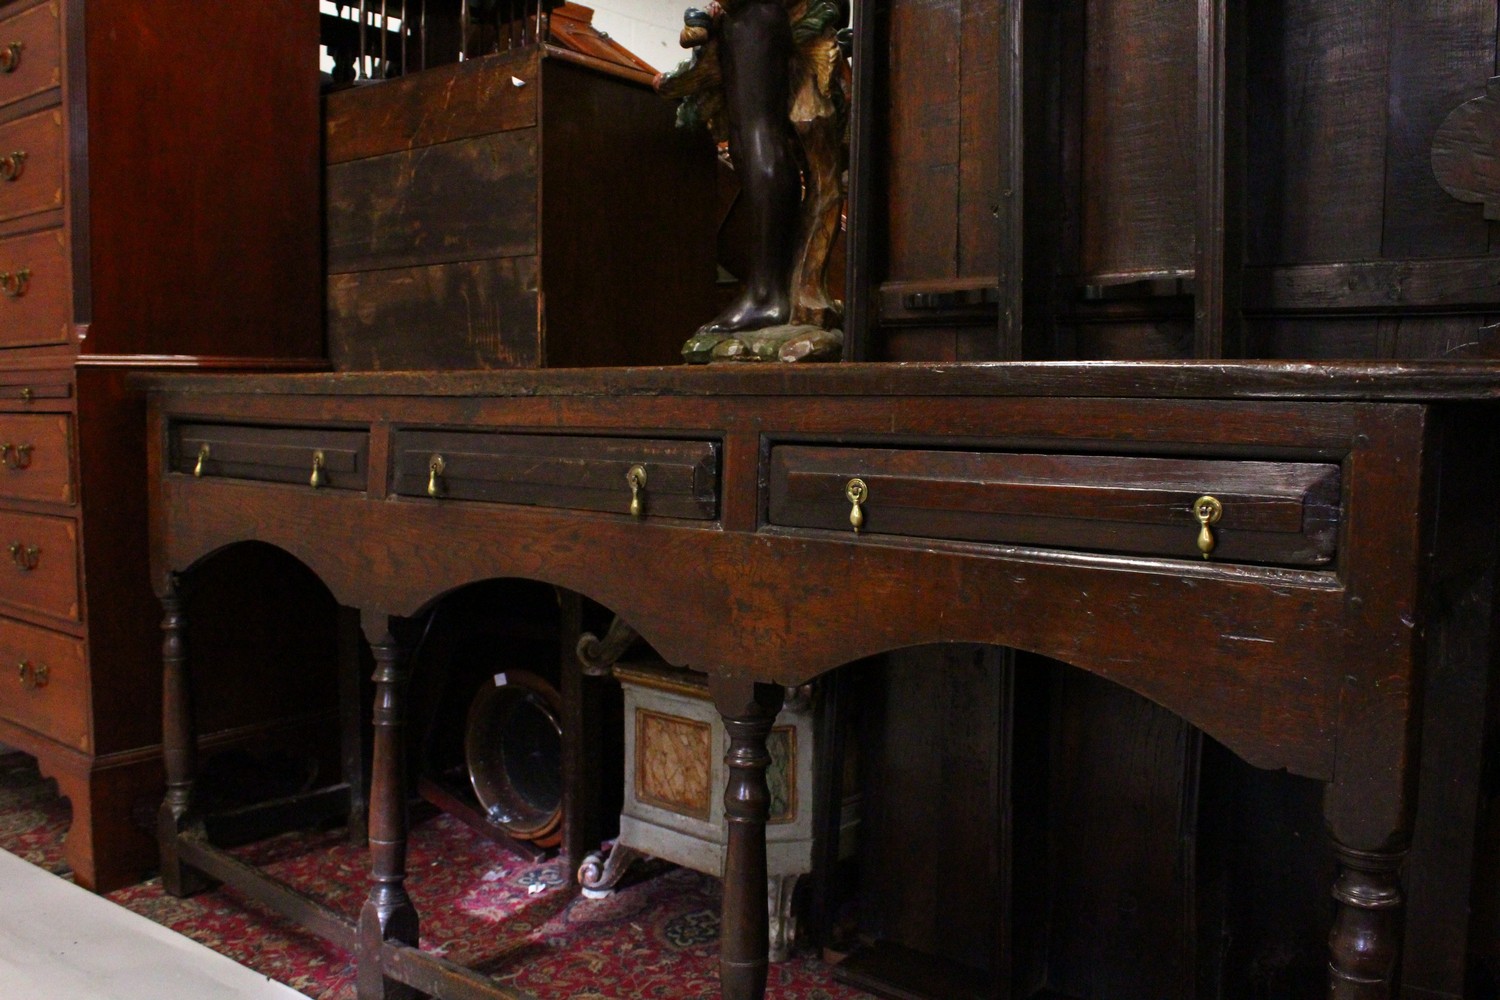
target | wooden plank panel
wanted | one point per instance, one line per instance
(474, 97)
(982, 68)
(1315, 177)
(1123, 818)
(1139, 137)
(1165, 339)
(1374, 286)
(477, 314)
(1441, 56)
(922, 144)
(465, 200)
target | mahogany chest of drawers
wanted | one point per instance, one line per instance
(158, 209)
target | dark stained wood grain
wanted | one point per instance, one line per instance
(478, 96)
(1461, 151)
(1440, 57)
(1372, 286)
(921, 147)
(1316, 107)
(1139, 138)
(470, 314)
(426, 206)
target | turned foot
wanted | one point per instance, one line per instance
(1364, 945)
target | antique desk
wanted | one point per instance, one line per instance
(1267, 549)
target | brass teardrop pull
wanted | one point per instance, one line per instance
(202, 459)
(636, 477)
(857, 493)
(11, 166)
(435, 467)
(1207, 510)
(318, 478)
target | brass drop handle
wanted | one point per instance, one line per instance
(16, 456)
(318, 479)
(435, 467)
(12, 165)
(857, 493)
(33, 675)
(1207, 510)
(198, 466)
(14, 284)
(10, 57)
(28, 394)
(636, 477)
(24, 556)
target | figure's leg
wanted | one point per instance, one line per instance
(179, 749)
(1364, 942)
(388, 913)
(755, 46)
(748, 710)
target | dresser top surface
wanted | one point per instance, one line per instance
(1416, 381)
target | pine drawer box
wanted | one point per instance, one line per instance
(124, 245)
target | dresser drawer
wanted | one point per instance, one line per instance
(39, 563)
(338, 459)
(29, 58)
(43, 682)
(552, 470)
(1282, 513)
(31, 164)
(34, 294)
(37, 464)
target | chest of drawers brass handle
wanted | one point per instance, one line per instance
(435, 467)
(33, 675)
(15, 283)
(318, 478)
(24, 556)
(10, 57)
(16, 456)
(12, 165)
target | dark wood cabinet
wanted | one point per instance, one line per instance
(159, 209)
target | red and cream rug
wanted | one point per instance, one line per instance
(522, 922)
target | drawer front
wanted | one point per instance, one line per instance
(1282, 513)
(44, 683)
(39, 563)
(550, 470)
(36, 457)
(31, 175)
(34, 295)
(30, 61)
(338, 459)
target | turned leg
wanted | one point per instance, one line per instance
(388, 913)
(1365, 940)
(748, 710)
(179, 749)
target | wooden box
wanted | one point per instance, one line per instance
(533, 208)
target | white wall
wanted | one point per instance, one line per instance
(648, 28)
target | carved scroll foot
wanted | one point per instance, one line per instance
(600, 874)
(1365, 943)
(780, 890)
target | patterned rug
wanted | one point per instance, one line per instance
(520, 921)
